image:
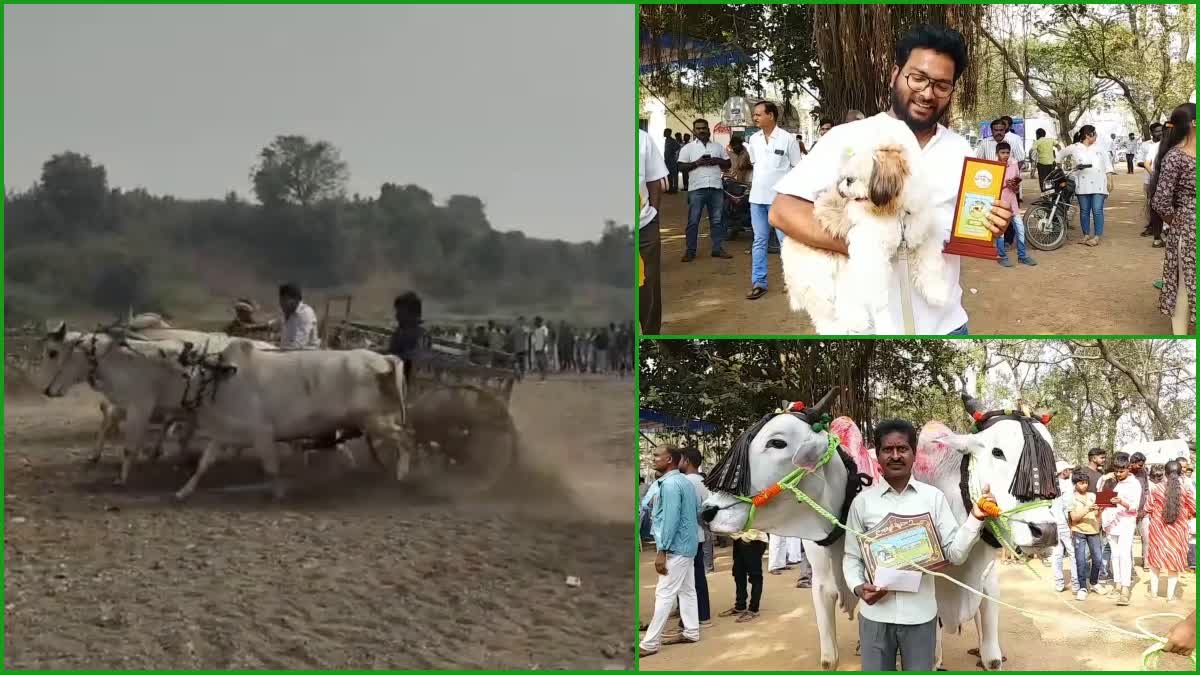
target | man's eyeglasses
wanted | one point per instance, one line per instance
(918, 82)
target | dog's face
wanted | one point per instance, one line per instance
(878, 176)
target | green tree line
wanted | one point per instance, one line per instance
(73, 242)
(1096, 388)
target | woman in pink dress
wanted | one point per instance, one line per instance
(1169, 509)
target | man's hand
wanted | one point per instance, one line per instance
(978, 512)
(870, 594)
(660, 563)
(1181, 639)
(998, 220)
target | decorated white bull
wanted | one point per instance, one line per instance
(1009, 450)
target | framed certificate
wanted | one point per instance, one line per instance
(979, 187)
(899, 541)
(1104, 498)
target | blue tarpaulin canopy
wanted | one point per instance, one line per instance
(653, 420)
(684, 52)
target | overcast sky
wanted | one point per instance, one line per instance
(527, 107)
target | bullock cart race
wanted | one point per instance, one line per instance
(786, 435)
(389, 521)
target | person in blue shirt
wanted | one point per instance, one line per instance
(675, 510)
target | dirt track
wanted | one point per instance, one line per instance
(784, 637)
(1075, 290)
(349, 572)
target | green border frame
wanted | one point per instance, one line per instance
(640, 336)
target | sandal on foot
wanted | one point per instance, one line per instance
(747, 616)
(756, 293)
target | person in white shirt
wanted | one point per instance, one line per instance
(1147, 152)
(773, 152)
(1068, 153)
(651, 172)
(690, 468)
(1092, 185)
(539, 342)
(987, 146)
(929, 61)
(299, 320)
(1132, 146)
(1120, 523)
(703, 161)
(1014, 141)
(1060, 557)
(891, 622)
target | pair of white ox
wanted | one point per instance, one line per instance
(239, 393)
(988, 456)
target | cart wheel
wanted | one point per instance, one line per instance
(466, 437)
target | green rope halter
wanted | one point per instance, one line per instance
(790, 481)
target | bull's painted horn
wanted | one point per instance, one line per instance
(972, 405)
(821, 407)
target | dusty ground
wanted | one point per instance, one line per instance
(350, 572)
(1104, 290)
(784, 636)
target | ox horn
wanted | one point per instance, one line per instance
(821, 407)
(973, 406)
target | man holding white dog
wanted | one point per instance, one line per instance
(928, 62)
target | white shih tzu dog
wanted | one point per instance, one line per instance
(877, 205)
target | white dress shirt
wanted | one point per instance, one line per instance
(942, 161)
(1148, 152)
(651, 168)
(987, 147)
(772, 159)
(704, 176)
(872, 506)
(300, 329)
(1093, 180)
(697, 482)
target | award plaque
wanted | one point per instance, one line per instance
(899, 541)
(980, 186)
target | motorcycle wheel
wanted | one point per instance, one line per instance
(1045, 230)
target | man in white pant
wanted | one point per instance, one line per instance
(1064, 550)
(675, 511)
(777, 553)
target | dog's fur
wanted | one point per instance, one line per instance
(876, 202)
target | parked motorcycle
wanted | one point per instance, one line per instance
(1047, 218)
(737, 207)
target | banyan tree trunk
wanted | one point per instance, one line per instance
(856, 49)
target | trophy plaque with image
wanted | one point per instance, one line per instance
(980, 186)
(899, 541)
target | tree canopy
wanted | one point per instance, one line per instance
(1104, 392)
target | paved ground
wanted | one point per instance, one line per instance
(1104, 290)
(784, 637)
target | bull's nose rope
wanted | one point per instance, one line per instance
(1149, 656)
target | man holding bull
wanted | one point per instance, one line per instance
(892, 622)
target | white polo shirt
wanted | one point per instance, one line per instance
(651, 167)
(942, 161)
(772, 159)
(1148, 152)
(705, 176)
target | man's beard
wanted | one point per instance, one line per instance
(900, 110)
